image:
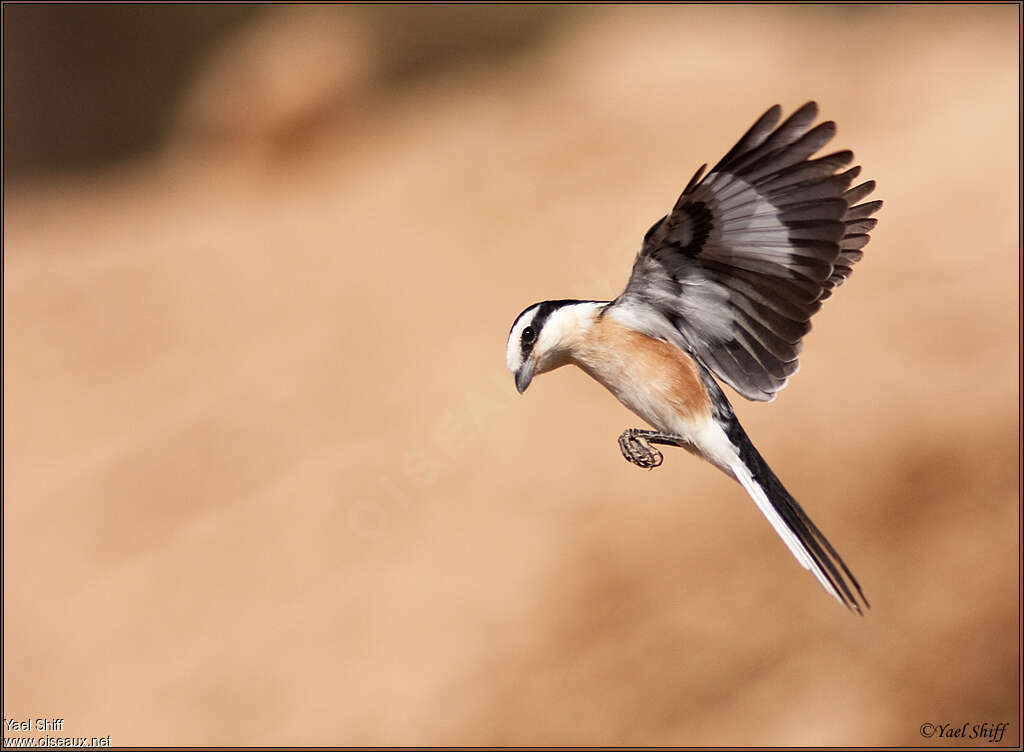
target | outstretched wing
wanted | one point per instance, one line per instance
(750, 251)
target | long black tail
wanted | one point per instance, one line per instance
(825, 559)
(810, 547)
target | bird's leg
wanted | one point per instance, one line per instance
(635, 444)
(636, 449)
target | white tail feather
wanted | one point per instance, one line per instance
(742, 474)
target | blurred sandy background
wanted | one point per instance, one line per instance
(267, 482)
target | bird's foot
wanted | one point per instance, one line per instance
(637, 449)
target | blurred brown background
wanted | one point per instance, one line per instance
(267, 482)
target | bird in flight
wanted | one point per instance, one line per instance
(724, 286)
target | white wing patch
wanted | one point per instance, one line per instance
(744, 259)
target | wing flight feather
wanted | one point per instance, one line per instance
(751, 249)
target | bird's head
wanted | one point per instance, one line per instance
(543, 336)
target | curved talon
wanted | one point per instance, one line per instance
(637, 449)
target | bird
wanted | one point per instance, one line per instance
(723, 288)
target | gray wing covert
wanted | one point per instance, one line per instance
(749, 252)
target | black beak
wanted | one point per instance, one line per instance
(524, 376)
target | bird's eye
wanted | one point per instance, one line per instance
(529, 335)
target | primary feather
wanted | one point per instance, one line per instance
(749, 252)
